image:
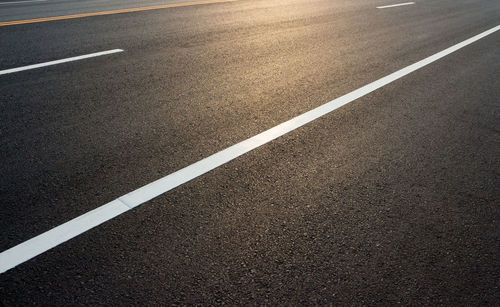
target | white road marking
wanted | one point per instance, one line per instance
(62, 233)
(41, 243)
(18, 2)
(76, 58)
(394, 5)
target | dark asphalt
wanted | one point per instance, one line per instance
(391, 199)
(11, 10)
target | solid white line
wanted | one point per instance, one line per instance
(62, 233)
(33, 247)
(76, 58)
(394, 5)
(17, 2)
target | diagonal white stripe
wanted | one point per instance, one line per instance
(20, 2)
(394, 5)
(76, 58)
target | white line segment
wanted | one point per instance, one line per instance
(62, 233)
(19, 2)
(37, 245)
(394, 5)
(76, 58)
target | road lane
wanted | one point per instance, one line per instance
(62, 233)
(390, 199)
(82, 135)
(112, 12)
(50, 8)
(185, 90)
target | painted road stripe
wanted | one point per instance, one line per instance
(76, 58)
(136, 9)
(19, 2)
(394, 5)
(37, 245)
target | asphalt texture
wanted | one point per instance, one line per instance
(392, 199)
(11, 10)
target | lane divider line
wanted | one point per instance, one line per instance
(60, 234)
(20, 2)
(394, 5)
(72, 59)
(130, 10)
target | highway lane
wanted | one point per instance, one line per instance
(173, 98)
(184, 89)
(21, 10)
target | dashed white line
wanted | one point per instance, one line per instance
(76, 58)
(39, 244)
(394, 5)
(19, 2)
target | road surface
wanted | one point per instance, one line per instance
(393, 198)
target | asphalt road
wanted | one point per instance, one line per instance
(391, 199)
(27, 9)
